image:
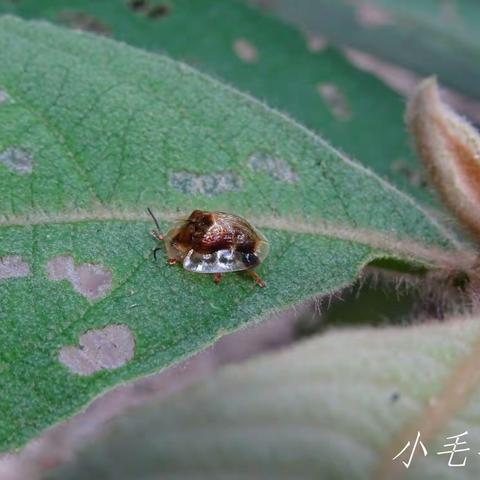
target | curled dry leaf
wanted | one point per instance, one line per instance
(450, 149)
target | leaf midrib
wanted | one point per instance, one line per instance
(385, 243)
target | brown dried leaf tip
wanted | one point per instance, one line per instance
(450, 149)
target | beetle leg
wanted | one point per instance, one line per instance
(257, 278)
(172, 261)
(156, 235)
(217, 277)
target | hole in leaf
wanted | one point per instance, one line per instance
(212, 184)
(17, 159)
(91, 281)
(13, 267)
(105, 349)
(277, 168)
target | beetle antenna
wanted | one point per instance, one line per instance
(154, 219)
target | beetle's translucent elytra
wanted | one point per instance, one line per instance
(215, 243)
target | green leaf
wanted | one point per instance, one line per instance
(333, 407)
(323, 90)
(95, 131)
(428, 36)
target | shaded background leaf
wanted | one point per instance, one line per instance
(432, 37)
(328, 408)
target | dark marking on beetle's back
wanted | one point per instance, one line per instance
(224, 259)
(208, 240)
(275, 167)
(17, 159)
(211, 259)
(250, 260)
(247, 246)
(83, 21)
(208, 232)
(201, 219)
(209, 185)
(212, 244)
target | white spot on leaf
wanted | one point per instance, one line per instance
(277, 168)
(449, 13)
(335, 100)
(212, 184)
(92, 281)
(13, 267)
(3, 96)
(245, 50)
(370, 15)
(17, 160)
(315, 43)
(105, 349)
